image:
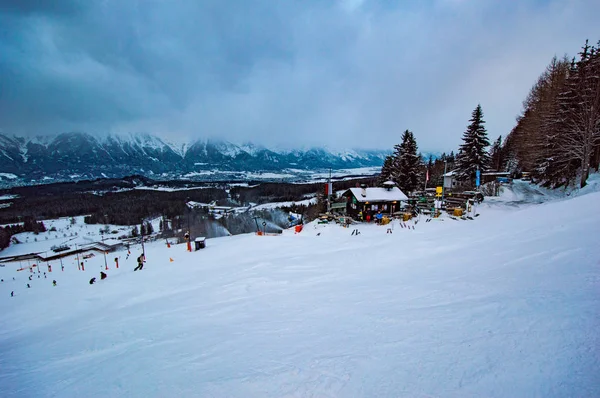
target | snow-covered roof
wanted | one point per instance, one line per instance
(389, 183)
(378, 194)
(450, 173)
(496, 173)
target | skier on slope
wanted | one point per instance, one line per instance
(140, 261)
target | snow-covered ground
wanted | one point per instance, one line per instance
(520, 193)
(273, 205)
(505, 305)
(291, 175)
(8, 197)
(9, 176)
(72, 235)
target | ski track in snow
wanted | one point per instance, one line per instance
(506, 305)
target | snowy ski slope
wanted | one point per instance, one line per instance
(506, 305)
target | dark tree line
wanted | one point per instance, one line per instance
(30, 224)
(287, 192)
(272, 192)
(120, 208)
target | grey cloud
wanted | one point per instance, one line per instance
(348, 73)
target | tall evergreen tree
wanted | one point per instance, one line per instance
(495, 154)
(407, 165)
(387, 170)
(473, 154)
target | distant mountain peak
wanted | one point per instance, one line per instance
(79, 155)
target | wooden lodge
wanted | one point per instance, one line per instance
(364, 203)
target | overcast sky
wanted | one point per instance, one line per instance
(342, 73)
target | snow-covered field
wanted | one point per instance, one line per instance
(8, 197)
(505, 305)
(8, 176)
(287, 174)
(305, 202)
(72, 235)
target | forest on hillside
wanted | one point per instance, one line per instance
(134, 200)
(556, 137)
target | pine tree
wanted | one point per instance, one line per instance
(495, 154)
(407, 165)
(387, 169)
(473, 155)
(396, 161)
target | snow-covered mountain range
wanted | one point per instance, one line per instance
(74, 156)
